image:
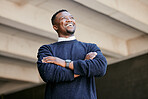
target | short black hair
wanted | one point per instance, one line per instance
(54, 16)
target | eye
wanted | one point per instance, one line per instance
(72, 17)
(63, 18)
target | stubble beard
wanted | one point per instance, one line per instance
(70, 32)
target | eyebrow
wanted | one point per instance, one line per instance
(63, 16)
(60, 17)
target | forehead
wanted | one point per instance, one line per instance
(63, 14)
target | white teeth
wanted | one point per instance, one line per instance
(69, 25)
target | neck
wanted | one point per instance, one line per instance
(65, 36)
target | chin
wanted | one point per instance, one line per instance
(71, 32)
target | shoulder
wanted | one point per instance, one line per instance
(44, 46)
(47, 46)
(88, 44)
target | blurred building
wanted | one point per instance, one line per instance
(118, 27)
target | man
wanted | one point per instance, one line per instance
(69, 66)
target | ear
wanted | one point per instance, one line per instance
(55, 27)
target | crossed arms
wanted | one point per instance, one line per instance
(61, 62)
(52, 69)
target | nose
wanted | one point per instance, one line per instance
(69, 20)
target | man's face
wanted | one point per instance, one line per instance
(65, 23)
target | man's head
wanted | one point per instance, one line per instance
(64, 23)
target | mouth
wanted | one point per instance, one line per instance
(69, 25)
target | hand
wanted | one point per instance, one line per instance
(54, 60)
(90, 55)
(57, 61)
(75, 76)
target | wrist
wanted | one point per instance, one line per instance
(71, 65)
(67, 63)
(59, 62)
(64, 64)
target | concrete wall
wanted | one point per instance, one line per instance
(36, 92)
(127, 79)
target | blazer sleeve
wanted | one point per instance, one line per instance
(93, 67)
(50, 72)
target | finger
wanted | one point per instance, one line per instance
(50, 58)
(48, 61)
(92, 53)
(43, 61)
(88, 53)
(95, 53)
(47, 57)
(92, 57)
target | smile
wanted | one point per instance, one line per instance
(69, 24)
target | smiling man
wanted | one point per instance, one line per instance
(69, 66)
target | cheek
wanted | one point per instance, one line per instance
(61, 25)
(62, 22)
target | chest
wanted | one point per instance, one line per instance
(73, 52)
